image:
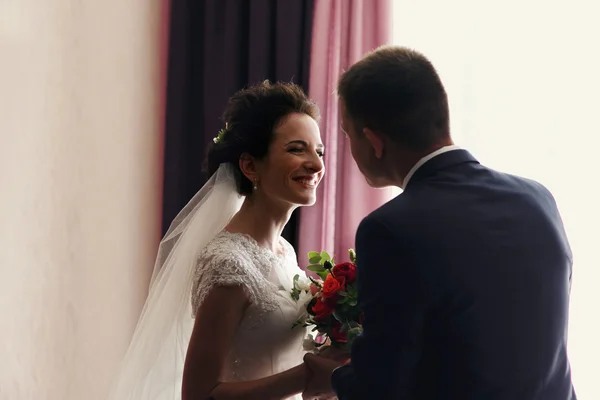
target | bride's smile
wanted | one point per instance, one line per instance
(293, 167)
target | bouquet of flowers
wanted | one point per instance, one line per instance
(331, 301)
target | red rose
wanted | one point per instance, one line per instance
(336, 333)
(332, 286)
(346, 270)
(322, 310)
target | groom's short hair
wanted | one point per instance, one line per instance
(397, 91)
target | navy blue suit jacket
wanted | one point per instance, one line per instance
(464, 279)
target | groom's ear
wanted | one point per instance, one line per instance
(375, 140)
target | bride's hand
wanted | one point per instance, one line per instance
(334, 353)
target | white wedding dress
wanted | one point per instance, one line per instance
(264, 343)
(196, 254)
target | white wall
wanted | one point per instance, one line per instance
(523, 83)
(80, 177)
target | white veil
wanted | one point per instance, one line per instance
(153, 365)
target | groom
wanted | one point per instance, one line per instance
(465, 277)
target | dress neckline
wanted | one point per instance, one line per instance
(254, 243)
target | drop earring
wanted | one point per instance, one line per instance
(255, 187)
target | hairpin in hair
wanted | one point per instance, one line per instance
(220, 135)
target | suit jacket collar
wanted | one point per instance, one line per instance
(440, 162)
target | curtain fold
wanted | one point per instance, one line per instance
(343, 31)
(216, 48)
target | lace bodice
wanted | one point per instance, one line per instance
(264, 342)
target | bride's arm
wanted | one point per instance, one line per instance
(216, 321)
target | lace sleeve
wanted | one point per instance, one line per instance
(224, 269)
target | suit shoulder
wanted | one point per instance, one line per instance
(539, 187)
(400, 208)
(532, 187)
(406, 206)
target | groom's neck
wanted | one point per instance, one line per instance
(404, 159)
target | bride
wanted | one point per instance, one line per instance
(217, 322)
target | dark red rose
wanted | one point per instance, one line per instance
(336, 333)
(322, 310)
(345, 270)
(310, 305)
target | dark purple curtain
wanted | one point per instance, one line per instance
(217, 47)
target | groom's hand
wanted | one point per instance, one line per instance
(335, 354)
(319, 382)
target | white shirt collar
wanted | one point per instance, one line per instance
(425, 159)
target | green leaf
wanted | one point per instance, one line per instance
(323, 274)
(315, 268)
(352, 303)
(352, 298)
(339, 316)
(351, 290)
(315, 260)
(312, 254)
(352, 334)
(296, 277)
(295, 294)
(325, 256)
(342, 293)
(345, 327)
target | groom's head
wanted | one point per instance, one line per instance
(394, 111)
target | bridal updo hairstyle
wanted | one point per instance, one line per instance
(251, 118)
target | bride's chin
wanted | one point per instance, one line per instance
(303, 198)
(307, 199)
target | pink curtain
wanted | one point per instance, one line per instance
(343, 31)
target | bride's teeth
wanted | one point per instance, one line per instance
(305, 182)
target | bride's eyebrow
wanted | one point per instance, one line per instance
(320, 146)
(302, 142)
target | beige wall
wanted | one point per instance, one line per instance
(80, 175)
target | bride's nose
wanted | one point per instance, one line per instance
(315, 163)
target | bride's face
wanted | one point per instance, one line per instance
(293, 167)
